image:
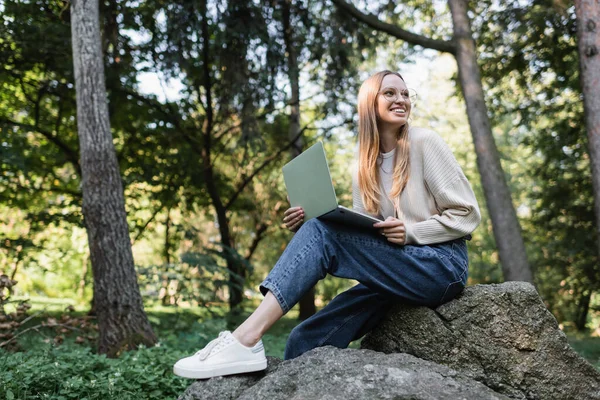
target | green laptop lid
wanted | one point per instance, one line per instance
(308, 182)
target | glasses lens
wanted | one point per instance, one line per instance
(393, 95)
(412, 93)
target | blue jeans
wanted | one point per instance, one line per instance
(427, 275)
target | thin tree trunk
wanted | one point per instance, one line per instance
(260, 232)
(20, 256)
(507, 229)
(588, 35)
(81, 288)
(307, 302)
(236, 273)
(167, 244)
(583, 307)
(15, 270)
(164, 290)
(122, 322)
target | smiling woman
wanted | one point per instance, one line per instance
(418, 255)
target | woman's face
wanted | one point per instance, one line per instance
(393, 102)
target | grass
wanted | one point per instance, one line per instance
(75, 371)
(586, 346)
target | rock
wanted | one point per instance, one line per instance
(329, 373)
(501, 335)
(228, 387)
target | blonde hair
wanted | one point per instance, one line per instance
(368, 149)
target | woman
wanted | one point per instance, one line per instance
(418, 254)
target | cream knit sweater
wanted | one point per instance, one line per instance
(437, 203)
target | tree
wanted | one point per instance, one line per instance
(507, 230)
(588, 33)
(122, 321)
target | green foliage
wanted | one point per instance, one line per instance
(74, 372)
(39, 147)
(196, 280)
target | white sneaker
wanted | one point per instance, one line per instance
(222, 356)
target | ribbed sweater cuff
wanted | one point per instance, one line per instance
(410, 236)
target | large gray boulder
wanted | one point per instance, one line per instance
(328, 373)
(501, 335)
(227, 387)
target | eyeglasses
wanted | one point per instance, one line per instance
(392, 95)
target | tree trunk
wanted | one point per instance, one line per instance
(588, 35)
(236, 272)
(507, 230)
(122, 322)
(164, 290)
(307, 302)
(167, 243)
(84, 272)
(583, 307)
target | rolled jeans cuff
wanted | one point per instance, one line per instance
(267, 286)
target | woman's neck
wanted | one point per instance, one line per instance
(388, 138)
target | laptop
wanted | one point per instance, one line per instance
(309, 186)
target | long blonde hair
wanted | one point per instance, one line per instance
(368, 149)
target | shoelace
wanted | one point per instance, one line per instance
(213, 345)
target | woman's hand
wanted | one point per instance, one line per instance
(293, 218)
(393, 229)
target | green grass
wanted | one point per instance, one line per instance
(586, 346)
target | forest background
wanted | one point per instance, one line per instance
(282, 76)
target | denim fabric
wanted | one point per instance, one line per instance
(427, 275)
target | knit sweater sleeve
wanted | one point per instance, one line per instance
(458, 212)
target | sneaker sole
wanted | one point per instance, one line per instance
(222, 370)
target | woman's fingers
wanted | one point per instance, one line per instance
(297, 223)
(395, 235)
(394, 230)
(390, 222)
(296, 220)
(293, 220)
(396, 240)
(294, 227)
(292, 215)
(292, 210)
